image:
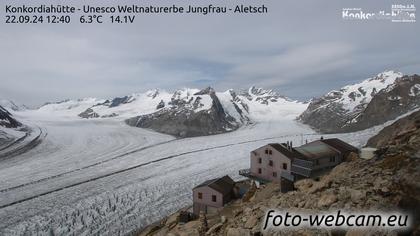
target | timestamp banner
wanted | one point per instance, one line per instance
(90, 14)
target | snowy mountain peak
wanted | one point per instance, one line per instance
(354, 97)
(387, 75)
(153, 93)
(254, 91)
(384, 96)
(209, 90)
(11, 106)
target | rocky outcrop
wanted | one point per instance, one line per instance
(89, 113)
(160, 105)
(404, 132)
(360, 106)
(359, 185)
(188, 117)
(388, 104)
(7, 120)
(118, 101)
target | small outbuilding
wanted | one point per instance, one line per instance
(213, 194)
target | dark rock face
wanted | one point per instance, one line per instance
(329, 116)
(118, 101)
(160, 105)
(110, 115)
(7, 120)
(405, 131)
(182, 119)
(329, 119)
(89, 113)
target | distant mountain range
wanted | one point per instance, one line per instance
(185, 112)
(193, 112)
(368, 103)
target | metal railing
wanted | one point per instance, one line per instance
(245, 172)
(287, 176)
(301, 170)
(302, 163)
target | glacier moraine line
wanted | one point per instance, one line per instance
(131, 168)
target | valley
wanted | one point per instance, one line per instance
(108, 166)
(103, 170)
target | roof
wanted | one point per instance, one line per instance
(316, 149)
(223, 185)
(340, 145)
(290, 153)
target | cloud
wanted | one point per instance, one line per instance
(301, 51)
(296, 63)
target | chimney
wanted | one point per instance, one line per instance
(306, 141)
(291, 145)
(287, 144)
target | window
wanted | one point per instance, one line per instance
(316, 162)
(259, 170)
(266, 151)
(270, 152)
(200, 195)
(259, 160)
(274, 174)
(284, 166)
(270, 163)
(332, 159)
(213, 198)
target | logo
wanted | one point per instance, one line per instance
(397, 13)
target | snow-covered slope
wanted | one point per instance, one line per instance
(240, 108)
(355, 97)
(267, 105)
(67, 108)
(354, 106)
(12, 106)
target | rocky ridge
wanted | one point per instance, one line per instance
(363, 105)
(7, 120)
(188, 117)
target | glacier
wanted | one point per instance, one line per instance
(102, 177)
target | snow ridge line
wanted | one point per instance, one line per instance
(142, 165)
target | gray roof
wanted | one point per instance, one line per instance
(340, 145)
(223, 185)
(290, 153)
(316, 149)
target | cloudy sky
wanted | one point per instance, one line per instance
(300, 48)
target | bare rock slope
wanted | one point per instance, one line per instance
(7, 120)
(186, 118)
